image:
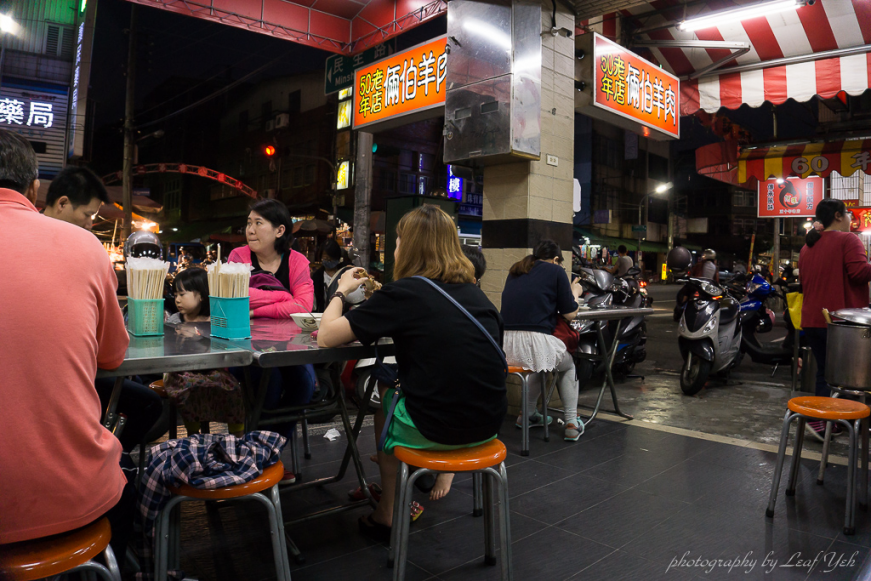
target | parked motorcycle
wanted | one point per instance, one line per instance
(601, 290)
(709, 331)
(757, 318)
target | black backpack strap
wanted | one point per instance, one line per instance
(471, 318)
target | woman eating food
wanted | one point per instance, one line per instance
(451, 374)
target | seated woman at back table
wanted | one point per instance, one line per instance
(451, 376)
(269, 252)
(332, 263)
(536, 293)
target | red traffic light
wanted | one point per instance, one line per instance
(269, 150)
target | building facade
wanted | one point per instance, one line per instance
(44, 72)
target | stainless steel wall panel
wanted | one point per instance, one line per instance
(479, 37)
(493, 102)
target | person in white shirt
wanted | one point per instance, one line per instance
(623, 264)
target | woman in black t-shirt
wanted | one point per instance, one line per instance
(452, 378)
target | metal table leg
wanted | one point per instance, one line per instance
(608, 354)
(110, 418)
(352, 454)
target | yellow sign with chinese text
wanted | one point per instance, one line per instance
(407, 82)
(634, 88)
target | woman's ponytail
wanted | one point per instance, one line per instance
(544, 250)
(825, 215)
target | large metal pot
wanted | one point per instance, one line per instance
(848, 355)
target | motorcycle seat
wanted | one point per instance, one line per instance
(729, 310)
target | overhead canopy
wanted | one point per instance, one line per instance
(340, 26)
(725, 162)
(817, 49)
(844, 157)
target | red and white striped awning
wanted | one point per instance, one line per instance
(825, 26)
(801, 81)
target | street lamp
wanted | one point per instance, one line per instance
(7, 24)
(659, 190)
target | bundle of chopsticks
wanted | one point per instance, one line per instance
(229, 280)
(145, 277)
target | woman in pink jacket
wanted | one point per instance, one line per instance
(268, 250)
(269, 239)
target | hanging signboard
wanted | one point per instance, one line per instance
(620, 87)
(629, 86)
(861, 220)
(405, 87)
(789, 198)
(40, 115)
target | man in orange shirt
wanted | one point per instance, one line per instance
(59, 322)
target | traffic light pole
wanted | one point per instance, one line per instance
(129, 134)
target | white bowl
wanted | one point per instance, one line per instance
(307, 321)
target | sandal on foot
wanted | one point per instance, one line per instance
(374, 490)
(373, 530)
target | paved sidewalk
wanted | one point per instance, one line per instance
(627, 502)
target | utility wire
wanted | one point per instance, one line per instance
(215, 94)
(186, 91)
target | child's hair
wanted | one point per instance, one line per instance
(194, 279)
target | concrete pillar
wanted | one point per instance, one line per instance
(527, 201)
(363, 196)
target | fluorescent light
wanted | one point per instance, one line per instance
(779, 181)
(718, 18)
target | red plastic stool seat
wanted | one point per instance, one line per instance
(489, 454)
(269, 478)
(829, 408)
(50, 556)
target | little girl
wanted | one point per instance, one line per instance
(202, 396)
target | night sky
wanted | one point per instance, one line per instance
(189, 47)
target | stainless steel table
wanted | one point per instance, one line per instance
(607, 352)
(281, 343)
(184, 347)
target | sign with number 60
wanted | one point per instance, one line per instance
(818, 164)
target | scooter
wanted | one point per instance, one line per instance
(757, 318)
(360, 377)
(603, 290)
(710, 333)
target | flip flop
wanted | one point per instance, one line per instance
(416, 511)
(374, 490)
(373, 530)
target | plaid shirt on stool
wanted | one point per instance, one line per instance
(203, 461)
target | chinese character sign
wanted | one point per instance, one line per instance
(404, 83)
(861, 220)
(629, 86)
(792, 198)
(32, 114)
(455, 185)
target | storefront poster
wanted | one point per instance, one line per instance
(407, 82)
(861, 220)
(789, 198)
(634, 88)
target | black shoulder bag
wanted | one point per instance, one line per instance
(393, 379)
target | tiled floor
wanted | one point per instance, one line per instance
(625, 503)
